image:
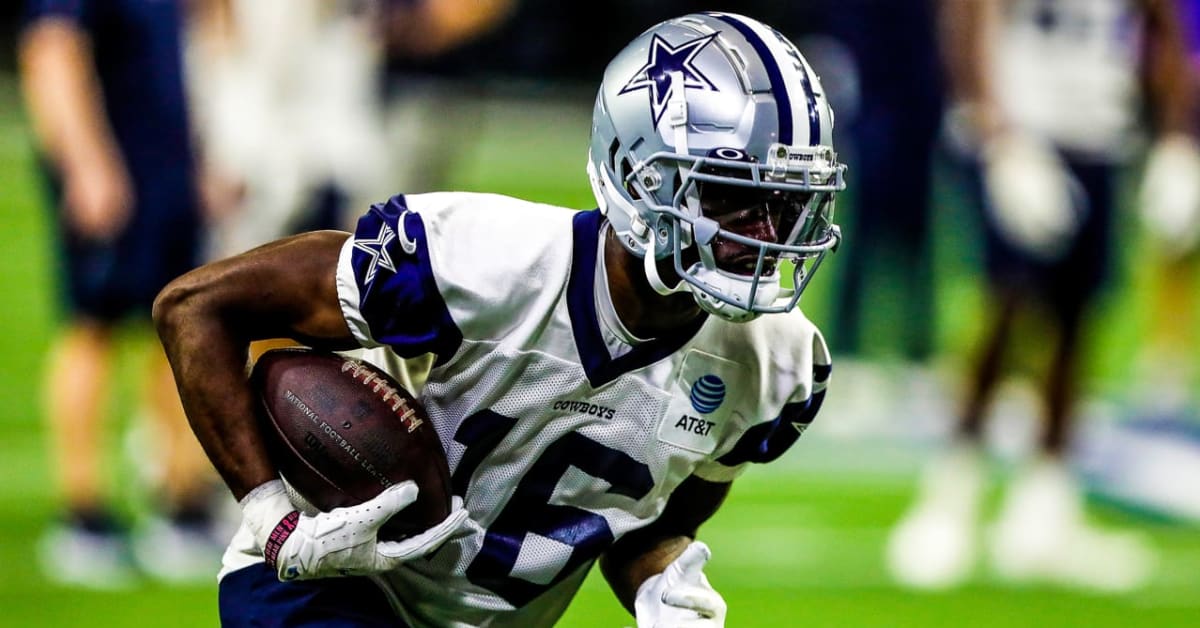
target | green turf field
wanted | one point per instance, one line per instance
(798, 544)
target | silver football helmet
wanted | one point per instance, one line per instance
(697, 111)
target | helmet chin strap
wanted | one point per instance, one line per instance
(650, 264)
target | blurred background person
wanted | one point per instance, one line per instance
(893, 118)
(311, 110)
(1049, 97)
(287, 115)
(103, 86)
(432, 91)
(1169, 200)
(305, 108)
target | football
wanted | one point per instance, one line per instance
(341, 430)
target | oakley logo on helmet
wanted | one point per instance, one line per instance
(664, 59)
(731, 154)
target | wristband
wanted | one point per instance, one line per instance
(278, 536)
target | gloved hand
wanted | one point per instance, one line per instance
(1030, 194)
(343, 541)
(1170, 193)
(680, 596)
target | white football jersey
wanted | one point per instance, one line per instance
(561, 435)
(1068, 71)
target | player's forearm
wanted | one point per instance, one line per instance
(206, 320)
(1170, 80)
(63, 96)
(629, 564)
(966, 31)
(457, 22)
(646, 552)
(208, 355)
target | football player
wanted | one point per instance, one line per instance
(104, 90)
(1170, 203)
(672, 307)
(1049, 97)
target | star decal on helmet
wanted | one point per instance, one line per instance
(655, 76)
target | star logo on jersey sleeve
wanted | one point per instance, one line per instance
(377, 251)
(655, 76)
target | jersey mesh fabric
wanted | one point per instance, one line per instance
(553, 466)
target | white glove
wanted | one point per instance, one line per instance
(343, 541)
(1170, 193)
(680, 596)
(1030, 194)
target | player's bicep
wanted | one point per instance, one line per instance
(285, 289)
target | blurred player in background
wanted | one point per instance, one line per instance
(1049, 97)
(296, 113)
(890, 121)
(303, 117)
(893, 126)
(433, 101)
(667, 308)
(1170, 204)
(287, 107)
(104, 89)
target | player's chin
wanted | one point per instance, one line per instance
(747, 266)
(741, 260)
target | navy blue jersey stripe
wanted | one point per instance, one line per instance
(766, 442)
(821, 372)
(599, 366)
(480, 433)
(783, 101)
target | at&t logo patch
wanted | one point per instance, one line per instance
(707, 394)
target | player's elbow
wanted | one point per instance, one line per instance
(176, 304)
